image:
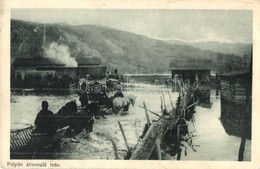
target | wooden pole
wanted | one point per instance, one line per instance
(147, 115)
(158, 146)
(164, 101)
(178, 143)
(175, 90)
(161, 103)
(193, 104)
(156, 114)
(184, 105)
(123, 133)
(243, 134)
(241, 149)
(115, 149)
(171, 100)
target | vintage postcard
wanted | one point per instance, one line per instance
(127, 84)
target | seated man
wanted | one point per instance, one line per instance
(45, 121)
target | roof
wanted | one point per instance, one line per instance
(190, 65)
(89, 61)
(236, 73)
(142, 74)
(39, 61)
(53, 67)
(34, 62)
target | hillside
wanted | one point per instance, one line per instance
(119, 49)
(239, 49)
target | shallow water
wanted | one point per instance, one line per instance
(212, 140)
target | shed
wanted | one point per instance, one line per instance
(188, 69)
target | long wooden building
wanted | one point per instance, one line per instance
(42, 72)
(236, 103)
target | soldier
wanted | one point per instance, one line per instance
(119, 93)
(45, 121)
(83, 98)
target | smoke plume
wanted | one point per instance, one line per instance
(60, 54)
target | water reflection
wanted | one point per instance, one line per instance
(213, 140)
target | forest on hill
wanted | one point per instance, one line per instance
(123, 50)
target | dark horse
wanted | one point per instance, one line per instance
(68, 115)
(64, 115)
(67, 109)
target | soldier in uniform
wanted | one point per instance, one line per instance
(45, 120)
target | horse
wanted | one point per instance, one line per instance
(123, 103)
(67, 109)
(64, 115)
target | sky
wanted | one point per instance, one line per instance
(233, 26)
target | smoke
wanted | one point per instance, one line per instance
(60, 54)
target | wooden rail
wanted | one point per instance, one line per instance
(157, 129)
(20, 138)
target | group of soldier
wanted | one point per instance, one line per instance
(45, 119)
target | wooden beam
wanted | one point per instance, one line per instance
(164, 104)
(170, 100)
(161, 104)
(193, 104)
(123, 133)
(157, 130)
(178, 142)
(147, 115)
(156, 114)
(115, 149)
(158, 147)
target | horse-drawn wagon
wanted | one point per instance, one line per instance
(27, 143)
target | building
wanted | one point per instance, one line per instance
(236, 102)
(192, 70)
(92, 67)
(42, 72)
(189, 69)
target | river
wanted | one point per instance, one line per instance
(212, 142)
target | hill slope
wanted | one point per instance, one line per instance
(239, 49)
(119, 49)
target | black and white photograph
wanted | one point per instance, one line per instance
(131, 84)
